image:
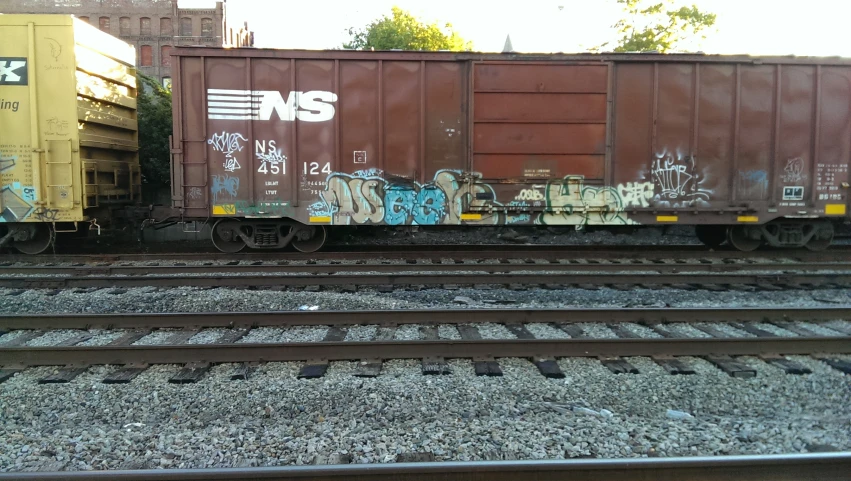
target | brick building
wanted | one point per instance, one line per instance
(153, 26)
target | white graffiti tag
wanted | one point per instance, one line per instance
(228, 144)
(530, 194)
(794, 171)
(636, 194)
(678, 181)
(272, 160)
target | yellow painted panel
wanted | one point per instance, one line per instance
(96, 64)
(834, 209)
(224, 209)
(98, 117)
(748, 218)
(667, 218)
(41, 171)
(320, 218)
(471, 216)
(105, 91)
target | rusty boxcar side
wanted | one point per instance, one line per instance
(279, 144)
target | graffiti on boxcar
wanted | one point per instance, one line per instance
(636, 194)
(370, 196)
(570, 201)
(7, 162)
(519, 212)
(56, 126)
(194, 193)
(530, 194)
(752, 184)
(794, 171)
(224, 184)
(15, 208)
(44, 214)
(228, 144)
(272, 160)
(677, 181)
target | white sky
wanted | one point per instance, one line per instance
(755, 27)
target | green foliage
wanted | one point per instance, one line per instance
(154, 117)
(403, 31)
(659, 25)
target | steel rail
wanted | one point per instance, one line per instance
(490, 267)
(458, 349)
(786, 467)
(419, 316)
(478, 251)
(427, 279)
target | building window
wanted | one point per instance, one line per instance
(104, 24)
(165, 27)
(85, 19)
(144, 26)
(185, 27)
(165, 55)
(167, 83)
(206, 27)
(147, 56)
(124, 26)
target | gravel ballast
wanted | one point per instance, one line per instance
(195, 299)
(275, 419)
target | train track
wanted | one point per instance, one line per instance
(442, 251)
(771, 275)
(656, 333)
(794, 467)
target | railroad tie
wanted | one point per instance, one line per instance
(129, 372)
(794, 328)
(788, 365)
(671, 364)
(838, 364)
(545, 364)
(125, 374)
(315, 368)
(372, 367)
(22, 339)
(7, 373)
(731, 366)
(243, 370)
(433, 365)
(192, 372)
(68, 373)
(483, 366)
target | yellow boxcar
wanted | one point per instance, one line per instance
(68, 132)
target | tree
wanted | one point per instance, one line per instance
(404, 31)
(659, 25)
(153, 105)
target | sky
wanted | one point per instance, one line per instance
(755, 27)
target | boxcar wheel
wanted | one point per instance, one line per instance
(41, 236)
(711, 235)
(822, 238)
(312, 243)
(744, 238)
(224, 237)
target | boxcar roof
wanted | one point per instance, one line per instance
(200, 51)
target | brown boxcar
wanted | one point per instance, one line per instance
(277, 145)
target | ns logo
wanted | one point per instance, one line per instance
(13, 71)
(312, 106)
